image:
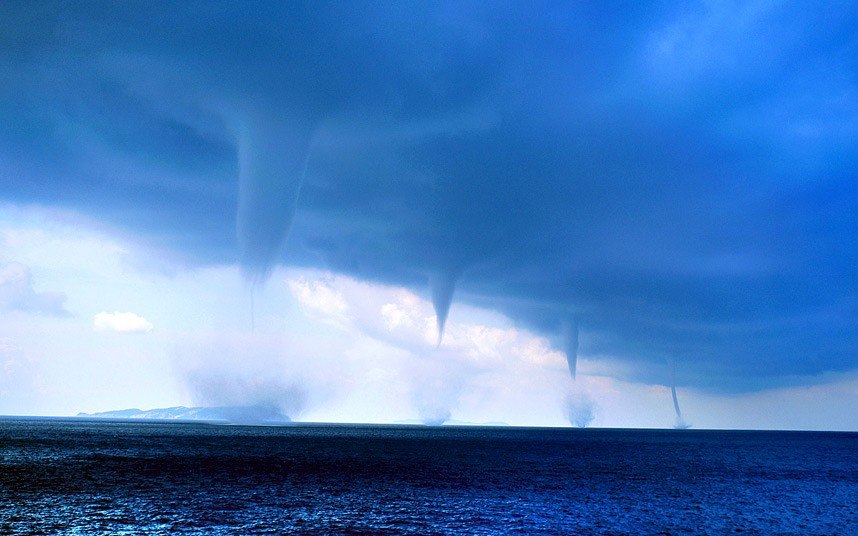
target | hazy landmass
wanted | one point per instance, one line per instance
(232, 415)
(223, 414)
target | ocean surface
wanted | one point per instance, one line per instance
(97, 477)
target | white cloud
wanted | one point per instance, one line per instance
(394, 316)
(58, 242)
(479, 359)
(318, 296)
(403, 319)
(121, 322)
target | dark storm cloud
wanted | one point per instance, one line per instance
(680, 178)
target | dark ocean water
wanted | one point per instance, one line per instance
(77, 477)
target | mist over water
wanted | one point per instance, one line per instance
(578, 405)
(250, 373)
(432, 413)
(247, 399)
(435, 389)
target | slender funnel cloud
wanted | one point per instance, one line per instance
(272, 158)
(680, 422)
(569, 332)
(443, 285)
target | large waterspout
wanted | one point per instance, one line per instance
(272, 157)
(680, 423)
(569, 333)
(443, 284)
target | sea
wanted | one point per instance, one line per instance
(67, 476)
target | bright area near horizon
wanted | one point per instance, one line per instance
(326, 347)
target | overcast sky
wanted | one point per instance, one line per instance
(670, 189)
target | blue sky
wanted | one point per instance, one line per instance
(677, 180)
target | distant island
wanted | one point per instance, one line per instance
(259, 415)
(222, 414)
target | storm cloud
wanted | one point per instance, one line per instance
(680, 176)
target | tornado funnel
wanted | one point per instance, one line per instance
(272, 159)
(443, 285)
(680, 422)
(569, 333)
